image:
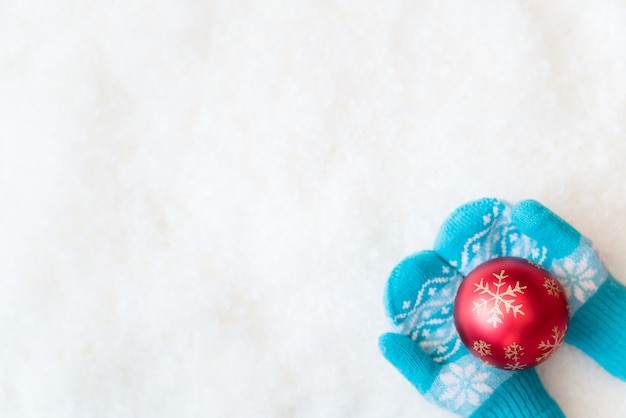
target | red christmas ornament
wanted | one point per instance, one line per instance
(511, 313)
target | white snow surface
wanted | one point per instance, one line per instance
(201, 201)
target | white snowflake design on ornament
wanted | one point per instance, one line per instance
(549, 346)
(552, 287)
(498, 298)
(532, 263)
(513, 352)
(482, 347)
(514, 366)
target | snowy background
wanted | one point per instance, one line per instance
(201, 201)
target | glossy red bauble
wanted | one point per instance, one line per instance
(511, 313)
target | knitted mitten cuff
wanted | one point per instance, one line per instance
(597, 328)
(521, 396)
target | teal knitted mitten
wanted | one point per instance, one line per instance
(489, 228)
(426, 348)
(597, 301)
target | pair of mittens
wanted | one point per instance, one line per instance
(420, 293)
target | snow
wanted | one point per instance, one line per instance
(202, 199)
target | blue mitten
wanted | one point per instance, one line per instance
(597, 301)
(426, 348)
(489, 228)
